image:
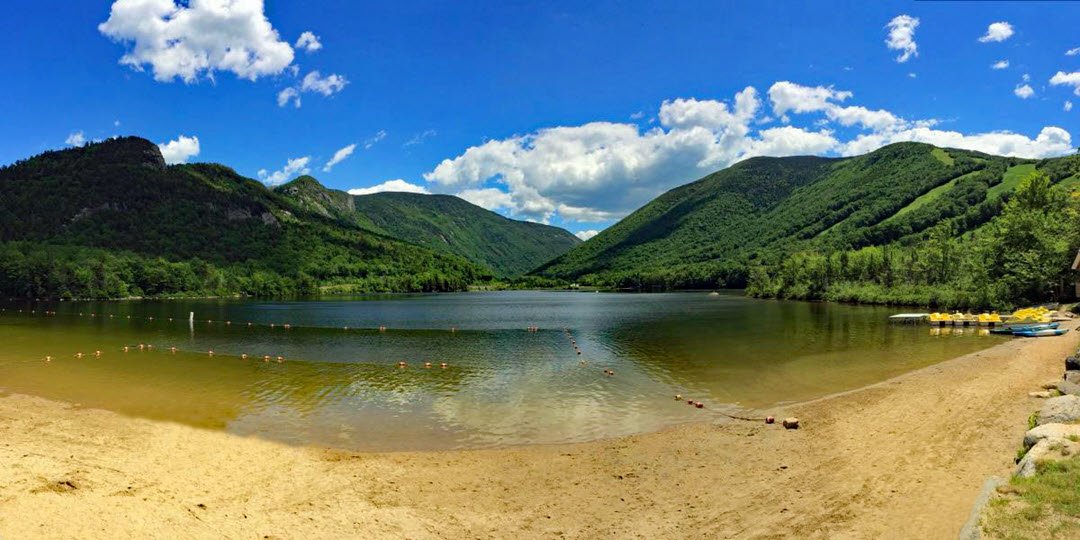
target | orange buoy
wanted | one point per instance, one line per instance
(699, 404)
(443, 365)
(243, 356)
(126, 348)
(266, 358)
(210, 353)
(172, 350)
(401, 364)
(48, 359)
(427, 365)
(78, 355)
(280, 359)
(97, 353)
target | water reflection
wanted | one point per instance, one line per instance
(341, 385)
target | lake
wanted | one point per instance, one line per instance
(340, 383)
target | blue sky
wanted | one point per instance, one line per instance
(574, 113)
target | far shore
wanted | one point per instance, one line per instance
(904, 458)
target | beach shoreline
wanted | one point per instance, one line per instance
(905, 457)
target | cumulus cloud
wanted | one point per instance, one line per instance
(374, 139)
(1023, 91)
(339, 156)
(179, 150)
(309, 42)
(75, 138)
(1000, 64)
(287, 95)
(787, 97)
(489, 198)
(188, 39)
(599, 171)
(293, 167)
(902, 37)
(999, 31)
(1051, 141)
(585, 235)
(312, 82)
(1067, 79)
(390, 185)
(327, 86)
(602, 170)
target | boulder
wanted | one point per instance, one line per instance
(1072, 376)
(1066, 387)
(791, 423)
(1050, 431)
(1072, 363)
(1060, 410)
(1046, 450)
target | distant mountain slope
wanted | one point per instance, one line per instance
(117, 202)
(708, 232)
(441, 222)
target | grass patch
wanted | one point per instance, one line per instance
(943, 156)
(1011, 180)
(1046, 505)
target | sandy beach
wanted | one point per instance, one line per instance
(901, 459)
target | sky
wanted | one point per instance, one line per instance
(568, 113)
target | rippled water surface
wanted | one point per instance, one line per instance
(340, 384)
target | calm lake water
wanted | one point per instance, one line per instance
(503, 385)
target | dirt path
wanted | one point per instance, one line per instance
(902, 459)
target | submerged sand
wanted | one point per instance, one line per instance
(902, 459)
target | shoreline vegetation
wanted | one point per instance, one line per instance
(941, 429)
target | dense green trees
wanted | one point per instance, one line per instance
(111, 220)
(439, 222)
(908, 223)
(1021, 257)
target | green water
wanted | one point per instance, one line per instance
(340, 383)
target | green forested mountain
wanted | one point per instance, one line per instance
(761, 214)
(440, 222)
(110, 219)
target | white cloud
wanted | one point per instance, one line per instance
(1073, 52)
(902, 37)
(1067, 79)
(327, 86)
(339, 156)
(198, 37)
(309, 42)
(788, 96)
(999, 31)
(1068, 106)
(1000, 64)
(1026, 77)
(600, 171)
(489, 198)
(1051, 141)
(287, 95)
(913, 75)
(585, 235)
(293, 167)
(374, 139)
(1023, 91)
(75, 138)
(179, 150)
(419, 138)
(390, 185)
(637, 115)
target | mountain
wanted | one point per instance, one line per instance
(440, 222)
(762, 210)
(111, 219)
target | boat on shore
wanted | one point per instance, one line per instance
(1014, 328)
(1046, 332)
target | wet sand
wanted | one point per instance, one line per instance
(901, 459)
